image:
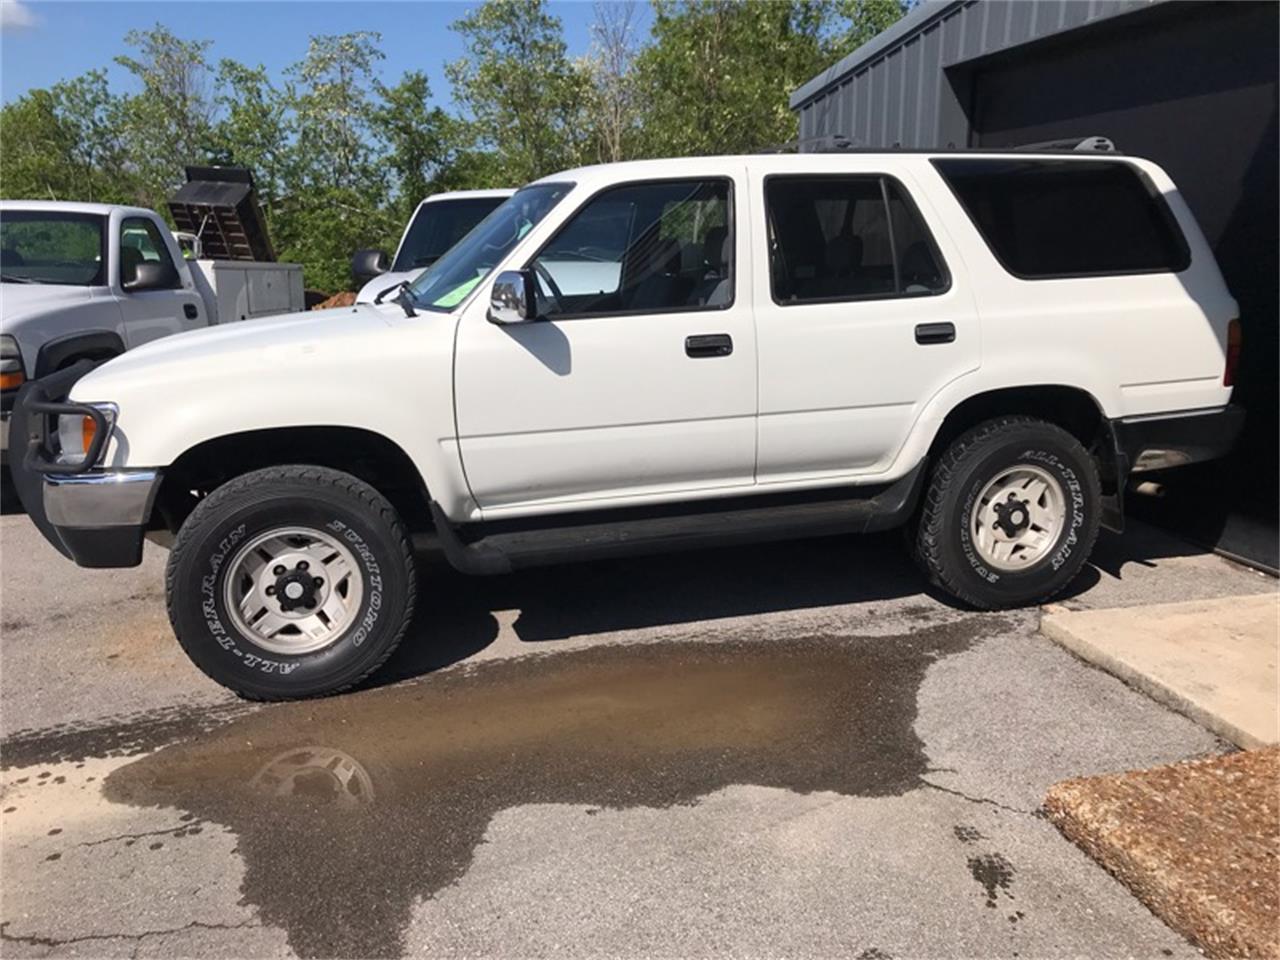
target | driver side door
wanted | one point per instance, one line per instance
(638, 380)
(151, 314)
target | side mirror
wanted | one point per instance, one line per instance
(367, 264)
(151, 275)
(514, 298)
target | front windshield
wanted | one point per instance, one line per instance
(438, 226)
(446, 284)
(51, 247)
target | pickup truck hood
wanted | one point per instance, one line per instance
(229, 354)
(20, 300)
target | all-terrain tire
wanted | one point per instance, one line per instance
(945, 545)
(335, 505)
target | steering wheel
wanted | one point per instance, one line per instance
(545, 275)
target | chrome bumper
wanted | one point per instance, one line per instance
(109, 498)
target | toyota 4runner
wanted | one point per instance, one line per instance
(654, 355)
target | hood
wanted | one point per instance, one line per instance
(231, 352)
(19, 300)
(385, 281)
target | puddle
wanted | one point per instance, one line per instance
(349, 810)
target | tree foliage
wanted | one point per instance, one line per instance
(341, 157)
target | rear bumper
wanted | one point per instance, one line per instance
(1174, 440)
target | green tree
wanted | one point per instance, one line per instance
(335, 190)
(864, 19)
(64, 144)
(416, 135)
(255, 129)
(169, 123)
(717, 74)
(516, 81)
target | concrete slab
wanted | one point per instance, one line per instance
(1213, 660)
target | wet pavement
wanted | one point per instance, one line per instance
(769, 750)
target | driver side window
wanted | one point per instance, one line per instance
(641, 248)
(140, 240)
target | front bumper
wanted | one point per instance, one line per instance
(96, 517)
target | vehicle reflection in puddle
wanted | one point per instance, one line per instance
(349, 810)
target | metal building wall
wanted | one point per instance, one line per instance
(895, 91)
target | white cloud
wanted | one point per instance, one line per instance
(15, 15)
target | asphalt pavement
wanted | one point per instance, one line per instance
(789, 749)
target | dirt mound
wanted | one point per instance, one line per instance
(343, 299)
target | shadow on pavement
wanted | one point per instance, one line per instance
(455, 613)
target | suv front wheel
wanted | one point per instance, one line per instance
(291, 582)
(1010, 515)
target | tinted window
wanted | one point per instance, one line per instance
(1067, 218)
(140, 240)
(846, 238)
(438, 226)
(47, 247)
(641, 248)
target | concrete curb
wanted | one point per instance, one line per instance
(1077, 631)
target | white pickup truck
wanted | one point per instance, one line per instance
(659, 355)
(439, 221)
(91, 280)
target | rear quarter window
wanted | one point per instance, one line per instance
(1050, 219)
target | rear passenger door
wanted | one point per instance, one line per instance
(638, 380)
(861, 317)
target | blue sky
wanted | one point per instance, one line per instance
(43, 42)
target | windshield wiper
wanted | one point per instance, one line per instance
(405, 298)
(5, 278)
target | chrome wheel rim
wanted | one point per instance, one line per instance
(1018, 518)
(293, 590)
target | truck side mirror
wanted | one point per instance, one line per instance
(367, 264)
(514, 298)
(151, 275)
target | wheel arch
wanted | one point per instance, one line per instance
(86, 345)
(371, 456)
(1072, 408)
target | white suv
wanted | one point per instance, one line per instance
(654, 355)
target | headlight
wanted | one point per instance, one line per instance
(12, 376)
(76, 433)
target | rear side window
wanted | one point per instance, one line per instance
(836, 238)
(1046, 219)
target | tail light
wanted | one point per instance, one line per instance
(1233, 353)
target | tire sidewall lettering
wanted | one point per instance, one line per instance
(253, 658)
(1068, 541)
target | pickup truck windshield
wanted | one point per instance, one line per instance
(51, 247)
(437, 226)
(446, 284)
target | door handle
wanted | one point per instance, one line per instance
(190, 310)
(927, 333)
(708, 345)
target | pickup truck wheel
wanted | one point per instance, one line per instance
(1010, 515)
(291, 582)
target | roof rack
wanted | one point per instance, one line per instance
(1072, 144)
(830, 143)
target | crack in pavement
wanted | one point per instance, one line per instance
(161, 832)
(1037, 813)
(38, 941)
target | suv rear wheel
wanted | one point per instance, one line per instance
(1010, 515)
(291, 582)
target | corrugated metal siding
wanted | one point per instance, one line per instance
(893, 91)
